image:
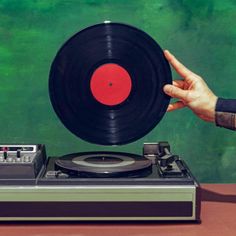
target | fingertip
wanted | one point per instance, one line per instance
(176, 106)
(170, 108)
(167, 88)
(166, 53)
(167, 85)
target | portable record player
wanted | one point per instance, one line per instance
(106, 87)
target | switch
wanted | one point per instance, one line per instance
(5, 155)
(18, 153)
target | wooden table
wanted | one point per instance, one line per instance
(218, 218)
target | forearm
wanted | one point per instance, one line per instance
(225, 115)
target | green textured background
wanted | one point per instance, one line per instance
(200, 33)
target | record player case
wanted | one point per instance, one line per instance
(49, 196)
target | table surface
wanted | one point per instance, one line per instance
(218, 218)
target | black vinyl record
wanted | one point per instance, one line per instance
(103, 164)
(106, 84)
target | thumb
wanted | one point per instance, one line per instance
(175, 92)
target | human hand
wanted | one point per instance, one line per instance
(192, 92)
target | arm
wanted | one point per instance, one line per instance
(226, 113)
(194, 93)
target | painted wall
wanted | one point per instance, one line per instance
(200, 33)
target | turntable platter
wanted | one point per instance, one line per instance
(102, 164)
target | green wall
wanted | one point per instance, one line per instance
(200, 33)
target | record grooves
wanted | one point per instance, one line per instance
(106, 84)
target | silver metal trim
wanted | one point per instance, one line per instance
(17, 145)
(99, 187)
(94, 218)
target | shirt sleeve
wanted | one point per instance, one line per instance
(225, 115)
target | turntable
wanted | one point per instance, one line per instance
(105, 85)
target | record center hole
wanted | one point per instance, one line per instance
(110, 84)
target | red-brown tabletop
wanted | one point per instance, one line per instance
(218, 217)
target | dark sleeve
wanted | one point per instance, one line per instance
(226, 113)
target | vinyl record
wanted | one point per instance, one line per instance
(103, 164)
(106, 84)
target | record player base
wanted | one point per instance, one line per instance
(217, 218)
(99, 203)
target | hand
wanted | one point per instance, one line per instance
(192, 92)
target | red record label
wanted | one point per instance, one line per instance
(110, 84)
